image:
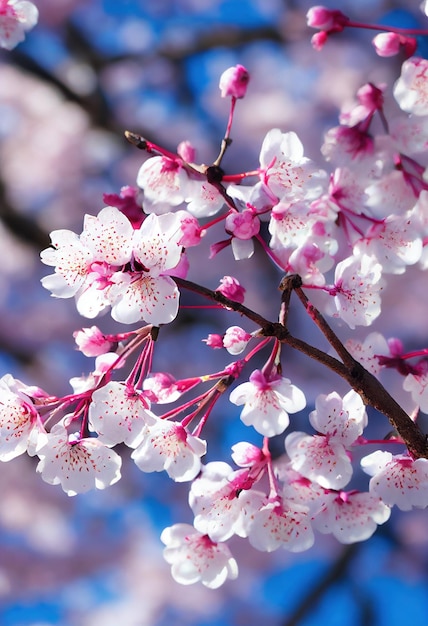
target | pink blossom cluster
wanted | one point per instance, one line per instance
(337, 230)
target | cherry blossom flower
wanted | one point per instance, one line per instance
(351, 516)
(318, 459)
(194, 557)
(150, 294)
(290, 224)
(162, 388)
(287, 172)
(84, 265)
(18, 419)
(72, 261)
(165, 184)
(370, 99)
(394, 243)
(410, 90)
(222, 501)
(166, 445)
(356, 291)
(310, 261)
(192, 233)
(366, 352)
(203, 199)
(341, 419)
(348, 145)
(300, 490)
(243, 227)
(277, 525)
(417, 385)
(118, 414)
(323, 458)
(398, 479)
(409, 134)
(16, 18)
(77, 464)
(267, 402)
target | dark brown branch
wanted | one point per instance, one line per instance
(327, 331)
(363, 382)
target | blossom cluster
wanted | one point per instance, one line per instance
(343, 227)
(16, 17)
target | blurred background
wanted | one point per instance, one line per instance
(89, 70)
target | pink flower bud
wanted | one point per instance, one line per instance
(242, 225)
(371, 97)
(246, 454)
(192, 232)
(127, 203)
(186, 151)
(389, 44)
(92, 342)
(214, 341)
(326, 20)
(235, 340)
(395, 346)
(231, 289)
(318, 40)
(234, 82)
(386, 44)
(161, 388)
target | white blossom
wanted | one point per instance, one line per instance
(352, 516)
(356, 293)
(167, 445)
(18, 419)
(267, 402)
(398, 479)
(277, 525)
(77, 464)
(221, 501)
(118, 414)
(411, 89)
(195, 558)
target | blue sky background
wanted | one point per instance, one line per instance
(153, 67)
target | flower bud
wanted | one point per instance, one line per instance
(186, 151)
(92, 342)
(326, 20)
(231, 289)
(214, 341)
(386, 44)
(235, 340)
(234, 82)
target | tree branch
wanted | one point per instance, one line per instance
(362, 381)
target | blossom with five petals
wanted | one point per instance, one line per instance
(267, 402)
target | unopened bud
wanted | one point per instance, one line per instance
(232, 289)
(186, 151)
(234, 82)
(235, 340)
(326, 19)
